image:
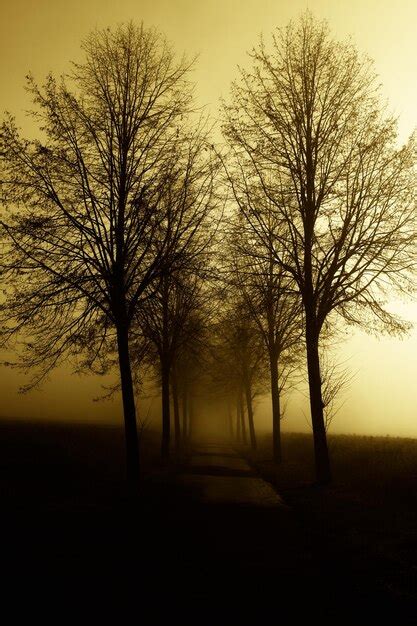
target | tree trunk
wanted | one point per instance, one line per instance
(230, 420)
(176, 410)
(242, 418)
(129, 409)
(276, 408)
(184, 413)
(191, 417)
(312, 328)
(321, 452)
(273, 352)
(166, 413)
(248, 393)
(165, 371)
(238, 419)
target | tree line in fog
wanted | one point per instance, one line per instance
(134, 238)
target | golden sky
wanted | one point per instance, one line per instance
(43, 35)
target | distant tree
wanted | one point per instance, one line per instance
(238, 361)
(309, 137)
(190, 229)
(85, 235)
(336, 378)
(270, 299)
(171, 322)
(189, 371)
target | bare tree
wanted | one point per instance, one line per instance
(190, 229)
(270, 299)
(191, 362)
(309, 136)
(238, 359)
(336, 379)
(172, 321)
(85, 234)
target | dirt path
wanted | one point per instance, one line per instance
(234, 553)
(207, 544)
(217, 474)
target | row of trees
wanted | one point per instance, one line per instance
(127, 237)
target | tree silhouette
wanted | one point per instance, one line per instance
(271, 301)
(237, 361)
(173, 321)
(189, 372)
(85, 236)
(309, 136)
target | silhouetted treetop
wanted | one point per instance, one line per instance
(106, 201)
(310, 139)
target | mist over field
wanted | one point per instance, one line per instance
(381, 397)
(208, 311)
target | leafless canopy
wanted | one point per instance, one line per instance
(99, 207)
(309, 137)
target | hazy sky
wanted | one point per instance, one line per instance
(43, 35)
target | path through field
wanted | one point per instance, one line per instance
(209, 543)
(232, 552)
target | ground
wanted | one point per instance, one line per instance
(76, 548)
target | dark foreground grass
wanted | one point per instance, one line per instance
(75, 548)
(366, 520)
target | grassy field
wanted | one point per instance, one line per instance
(367, 519)
(73, 543)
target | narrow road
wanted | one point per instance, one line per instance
(229, 550)
(209, 543)
(217, 474)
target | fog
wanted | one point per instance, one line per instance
(43, 36)
(379, 400)
(192, 257)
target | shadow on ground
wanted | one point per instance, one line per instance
(76, 548)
